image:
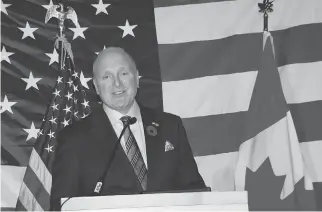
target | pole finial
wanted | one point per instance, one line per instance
(58, 11)
(265, 8)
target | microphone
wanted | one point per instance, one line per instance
(100, 182)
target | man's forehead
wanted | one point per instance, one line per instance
(113, 56)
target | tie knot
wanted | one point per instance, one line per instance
(125, 119)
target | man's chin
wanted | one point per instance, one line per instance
(122, 108)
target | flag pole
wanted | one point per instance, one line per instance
(61, 35)
(265, 8)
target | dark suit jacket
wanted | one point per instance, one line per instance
(84, 149)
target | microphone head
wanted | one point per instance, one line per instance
(132, 120)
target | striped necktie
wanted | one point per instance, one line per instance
(134, 155)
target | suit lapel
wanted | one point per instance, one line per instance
(154, 144)
(102, 132)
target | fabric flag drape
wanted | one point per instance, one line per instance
(277, 139)
(68, 105)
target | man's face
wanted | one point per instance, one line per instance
(116, 81)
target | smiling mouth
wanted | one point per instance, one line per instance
(118, 92)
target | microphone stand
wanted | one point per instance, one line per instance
(100, 182)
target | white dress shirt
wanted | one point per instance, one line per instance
(136, 128)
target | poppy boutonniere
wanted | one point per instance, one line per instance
(152, 130)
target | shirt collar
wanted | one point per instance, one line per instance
(114, 116)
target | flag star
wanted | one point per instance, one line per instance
(32, 132)
(75, 114)
(48, 6)
(100, 7)
(67, 109)
(75, 74)
(70, 82)
(6, 105)
(85, 103)
(54, 106)
(69, 95)
(53, 56)
(40, 133)
(5, 55)
(75, 101)
(84, 80)
(28, 31)
(127, 29)
(79, 32)
(59, 80)
(101, 50)
(49, 148)
(84, 115)
(4, 8)
(65, 123)
(56, 93)
(51, 134)
(53, 120)
(31, 81)
(75, 88)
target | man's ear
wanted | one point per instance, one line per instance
(137, 78)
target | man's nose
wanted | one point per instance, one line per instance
(118, 82)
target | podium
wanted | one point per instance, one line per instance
(192, 201)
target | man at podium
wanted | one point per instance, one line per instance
(122, 147)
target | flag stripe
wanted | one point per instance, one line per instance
(220, 177)
(168, 3)
(10, 209)
(209, 135)
(204, 23)
(36, 188)
(11, 178)
(238, 53)
(299, 44)
(302, 82)
(233, 91)
(28, 200)
(206, 58)
(40, 170)
(308, 120)
(312, 156)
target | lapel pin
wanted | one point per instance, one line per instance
(151, 130)
(155, 124)
(168, 146)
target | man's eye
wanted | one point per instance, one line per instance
(125, 73)
(106, 77)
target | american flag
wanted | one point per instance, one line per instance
(249, 127)
(68, 104)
